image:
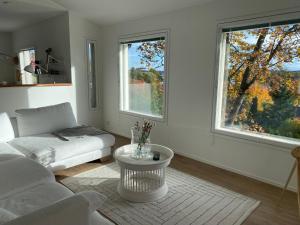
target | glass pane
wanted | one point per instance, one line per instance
(92, 75)
(145, 70)
(261, 81)
(27, 59)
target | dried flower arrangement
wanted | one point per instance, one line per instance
(143, 132)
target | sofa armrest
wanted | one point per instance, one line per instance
(70, 211)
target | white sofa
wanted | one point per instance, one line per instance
(29, 195)
(32, 137)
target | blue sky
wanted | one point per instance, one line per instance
(134, 60)
(133, 57)
(294, 66)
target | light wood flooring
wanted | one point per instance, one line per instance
(267, 213)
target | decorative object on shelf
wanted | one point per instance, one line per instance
(140, 134)
(35, 66)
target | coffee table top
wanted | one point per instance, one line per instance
(124, 155)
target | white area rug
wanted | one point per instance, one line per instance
(189, 201)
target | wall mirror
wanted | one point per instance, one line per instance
(34, 43)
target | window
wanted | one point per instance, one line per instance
(92, 80)
(27, 57)
(258, 82)
(143, 75)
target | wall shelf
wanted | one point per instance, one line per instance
(34, 85)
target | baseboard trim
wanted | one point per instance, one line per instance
(240, 172)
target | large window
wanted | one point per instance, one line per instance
(258, 81)
(143, 75)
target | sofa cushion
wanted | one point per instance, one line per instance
(69, 211)
(6, 129)
(6, 148)
(34, 197)
(45, 119)
(18, 173)
(40, 196)
(47, 148)
(6, 216)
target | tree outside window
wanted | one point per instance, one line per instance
(261, 74)
(143, 76)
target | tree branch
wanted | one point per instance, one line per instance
(237, 70)
(244, 84)
(275, 50)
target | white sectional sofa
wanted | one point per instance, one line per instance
(34, 138)
(29, 195)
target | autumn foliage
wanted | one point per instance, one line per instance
(261, 90)
(152, 58)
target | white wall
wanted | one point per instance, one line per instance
(27, 97)
(12, 98)
(191, 74)
(82, 30)
(6, 46)
(52, 33)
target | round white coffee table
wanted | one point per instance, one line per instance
(142, 180)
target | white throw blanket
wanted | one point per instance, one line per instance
(47, 148)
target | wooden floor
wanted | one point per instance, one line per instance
(267, 213)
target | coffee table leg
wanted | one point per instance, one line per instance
(142, 186)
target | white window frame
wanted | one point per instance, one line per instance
(122, 53)
(281, 15)
(89, 75)
(26, 77)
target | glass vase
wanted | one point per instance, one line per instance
(142, 150)
(135, 137)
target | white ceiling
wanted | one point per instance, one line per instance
(104, 12)
(15, 14)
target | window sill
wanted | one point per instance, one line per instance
(257, 138)
(143, 116)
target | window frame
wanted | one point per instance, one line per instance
(89, 75)
(22, 71)
(136, 37)
(218, 84)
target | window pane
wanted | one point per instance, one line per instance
(261, 74)
(143, 76)
(92, 75)
(27, 58)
